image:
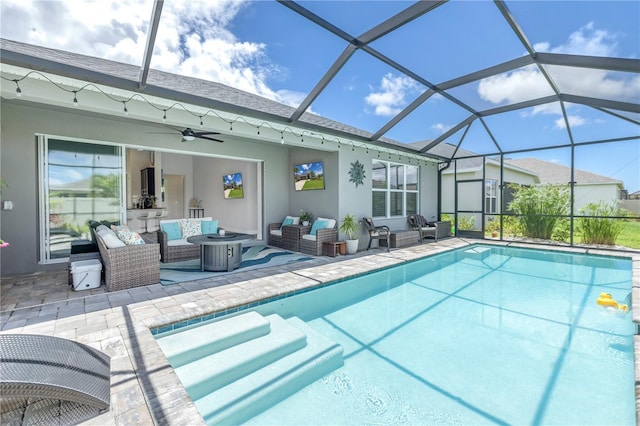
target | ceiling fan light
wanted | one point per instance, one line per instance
(188, 138)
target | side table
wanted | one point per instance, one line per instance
(334, 248)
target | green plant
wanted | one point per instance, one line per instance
(599, 230)
(350, 226)
(465, 223)
(539, 209)
(493, 226)
(305, 216)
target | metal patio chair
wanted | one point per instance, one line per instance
(380, 233)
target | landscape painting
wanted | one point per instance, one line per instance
(308, 176)
(232, 185)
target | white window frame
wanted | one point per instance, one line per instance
(491, 195)
(403, 184)
(43, 191)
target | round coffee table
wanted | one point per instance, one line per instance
(220, 252)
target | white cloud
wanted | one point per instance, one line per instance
(389, 99)
(574, 121)
(193, 37)
(515, 86)
(528, 83)
(442, 128)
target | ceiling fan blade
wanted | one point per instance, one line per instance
(210, 139)
(197, 134)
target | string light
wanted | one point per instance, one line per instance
(199, 116)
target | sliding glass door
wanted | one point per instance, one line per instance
(80, 182)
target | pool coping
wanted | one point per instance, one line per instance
(144, 387)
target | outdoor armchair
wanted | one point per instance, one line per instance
(376, 232)
(419, 223)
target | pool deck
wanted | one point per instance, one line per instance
(144, 387)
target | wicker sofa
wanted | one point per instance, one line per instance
(129, 266)
(177, 250)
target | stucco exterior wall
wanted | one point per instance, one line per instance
(19, 168)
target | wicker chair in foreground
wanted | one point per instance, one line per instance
(40, 375)
(376, 232)
(129, 266)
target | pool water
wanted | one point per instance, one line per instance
(480, 335)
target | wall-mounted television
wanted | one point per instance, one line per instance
(232, 185)
(307, 176)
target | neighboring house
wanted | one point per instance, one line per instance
(589, 187)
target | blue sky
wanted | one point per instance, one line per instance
(266, 49)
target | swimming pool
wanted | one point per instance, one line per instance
(474, 336)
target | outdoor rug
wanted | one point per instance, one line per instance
(255, 257)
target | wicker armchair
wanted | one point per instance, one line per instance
(176, 253)
(129, 266)
(274, 239)
(312, 247)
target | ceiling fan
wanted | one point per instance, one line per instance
(189, 134)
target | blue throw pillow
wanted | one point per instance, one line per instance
(209, 226)
(318, 224)
(287, 221)
(173, 230)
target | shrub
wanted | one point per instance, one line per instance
(599, 230)
(539, 209)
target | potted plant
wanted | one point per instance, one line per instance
(351, 227)
(305, 217)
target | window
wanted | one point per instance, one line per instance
(490, 196)
(81, 182)
(394, 189)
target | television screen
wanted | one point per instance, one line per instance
(308, 176)
(232, 185)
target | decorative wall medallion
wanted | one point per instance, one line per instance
(357, 173)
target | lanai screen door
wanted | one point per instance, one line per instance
(469, 208)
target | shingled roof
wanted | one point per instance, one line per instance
(552, 173)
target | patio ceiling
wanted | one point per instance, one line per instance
(449, 93)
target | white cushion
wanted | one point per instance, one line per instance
(277, 232)
(331, 223)
(309, 237)
(296, 219)
(173, 243)
(111, 240)
(190, 228)
(130, 238)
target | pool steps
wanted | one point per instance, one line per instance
(214, 371)
(189, 345)
(233, 384)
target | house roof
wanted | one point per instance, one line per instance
(557, 174)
